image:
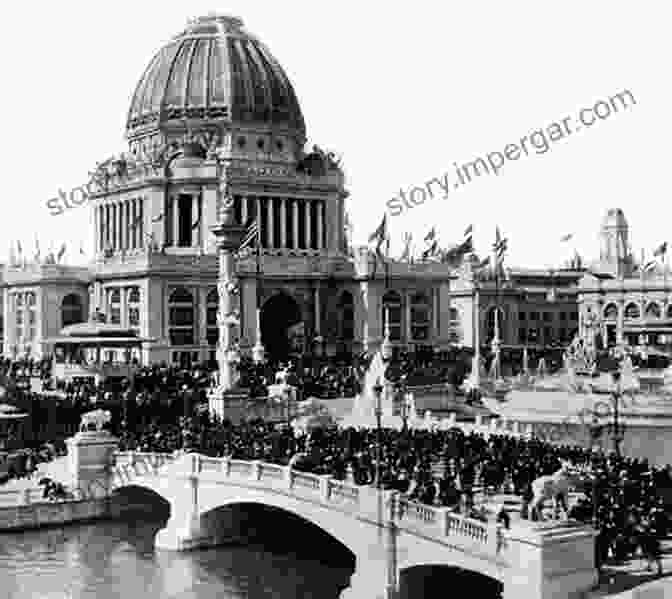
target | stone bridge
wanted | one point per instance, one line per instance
(385, 533)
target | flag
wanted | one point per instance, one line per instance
(37, 250)
(81, 249)
(661, 250)
(406, 254)
(158, 218)
(468, 231)
(136, 223)
(195, 224)
(431, 236)
(19, 249)
(500, 245)
(650, 265)
(431, 251)
(61, 252)
(483, 264)
(566, 237)
(380, 234)
(251, 236)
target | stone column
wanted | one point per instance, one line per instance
(295, 223)
(620, 322)
(123, 319)
(243, 210)
(406, 298)
(320, 224)
(270, 217)
(176, 221)
(308, 227)
(229, 235)
(283, 223)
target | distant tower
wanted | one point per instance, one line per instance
(614, 250)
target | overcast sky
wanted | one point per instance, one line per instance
(400, 90)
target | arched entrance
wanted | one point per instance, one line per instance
(278, 314)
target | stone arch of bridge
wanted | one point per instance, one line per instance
(431, 580)
(414, 551)
(354, 535)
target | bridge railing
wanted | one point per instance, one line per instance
(18, 497)
(436, 521)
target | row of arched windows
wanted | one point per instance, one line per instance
(633, 311)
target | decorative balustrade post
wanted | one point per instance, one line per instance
(325, 487)
(289, 479)
(256, 470)
(131, 458)
(479, 421)
(197, 464)
(26, 497)
(515, 427)
(226, 466)
(493, 425)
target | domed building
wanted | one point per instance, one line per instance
(214, 119)
(214, 116)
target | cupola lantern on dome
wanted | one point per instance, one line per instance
(214, 73)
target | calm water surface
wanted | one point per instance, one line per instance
(112, 560)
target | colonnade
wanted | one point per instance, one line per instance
(285, 223)
(120, 225)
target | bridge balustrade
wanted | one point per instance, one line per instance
(434, 521)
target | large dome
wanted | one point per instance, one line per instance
(214, 71)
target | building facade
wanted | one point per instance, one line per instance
(214, 116)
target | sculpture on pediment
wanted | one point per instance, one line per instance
(318, 162)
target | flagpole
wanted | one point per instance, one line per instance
(258, 351)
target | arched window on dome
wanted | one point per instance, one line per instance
(212, 302)
(652, 311)
(346, 316)
(421, 317)
(392, 303)
(611, 312)
(181, 317)
(632, 310)
(72, 310)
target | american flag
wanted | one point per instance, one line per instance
(251, 236)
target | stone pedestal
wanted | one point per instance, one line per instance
(554, 561)
(227, 403)
(89, 462)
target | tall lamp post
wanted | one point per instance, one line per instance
(616, 432)
(378, 391)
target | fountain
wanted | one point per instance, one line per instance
(364, 407)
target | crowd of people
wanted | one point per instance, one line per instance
(628, 500)
(447, 468)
